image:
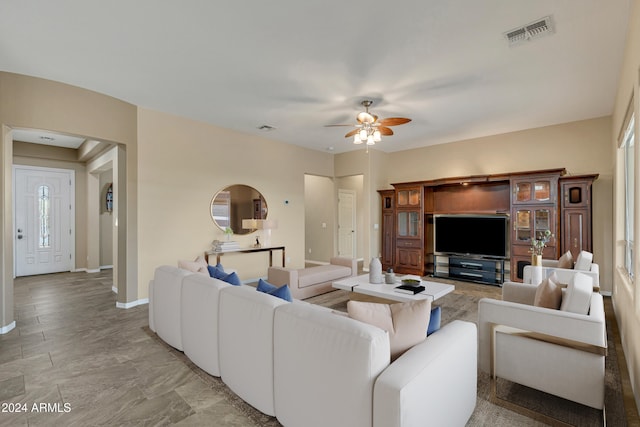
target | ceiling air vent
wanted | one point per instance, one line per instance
(530, 31)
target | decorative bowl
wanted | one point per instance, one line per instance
(411, 282)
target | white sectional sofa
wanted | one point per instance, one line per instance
(310, 366)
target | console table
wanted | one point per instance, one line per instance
(269, 249)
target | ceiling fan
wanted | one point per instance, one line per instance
(369, 129)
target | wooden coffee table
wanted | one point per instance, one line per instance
(361, 285)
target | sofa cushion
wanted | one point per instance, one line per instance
(320, 274)
(325, 367)
(566, 260)
(577, 297)
(405, 322)
(199, 265)
(282, 292)
(584, 260)
(548, 293)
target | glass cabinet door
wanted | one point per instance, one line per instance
(542, 191)
(542, 222)
(409, 197)
(408, 224)
(523, 226)
(523, 192)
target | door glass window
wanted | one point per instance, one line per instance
(44, 209)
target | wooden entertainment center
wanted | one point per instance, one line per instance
(533, 201)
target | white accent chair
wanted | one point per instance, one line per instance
(555, 351)
(584, 264)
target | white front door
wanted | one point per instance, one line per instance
(346, 223)
(43, 219)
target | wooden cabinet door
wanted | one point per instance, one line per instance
(388, 245)
(409, 261)
(576, 231)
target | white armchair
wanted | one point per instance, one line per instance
(584, 264)
(555, 351)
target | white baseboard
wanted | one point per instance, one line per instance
(106, 267)
(132, 303)
(8, 328)
(606, 293)
(114, 289)
(85, 270)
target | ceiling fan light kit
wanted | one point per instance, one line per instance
(369, 129)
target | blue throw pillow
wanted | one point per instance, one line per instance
(282, 292)
(217, 271)
(434, 320)
(266, 287)
(232, 278)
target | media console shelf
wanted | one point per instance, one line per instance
(471, 269)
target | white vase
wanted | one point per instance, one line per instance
(375, 271)
(536, 275)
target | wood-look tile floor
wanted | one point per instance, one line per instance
(76, 359)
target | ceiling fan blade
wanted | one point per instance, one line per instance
(385, 130)
(353, 132)
(394, 121)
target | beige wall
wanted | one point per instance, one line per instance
(183, 163)
(27, 102)
(106, 221)
(319, 208)
(626, 295)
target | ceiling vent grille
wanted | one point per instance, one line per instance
(533, 30)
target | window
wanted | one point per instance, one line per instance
(44, 207)
(629, 166)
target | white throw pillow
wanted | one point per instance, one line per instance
(197, 266)
(577, 297)
(584, 260)
(406, 323)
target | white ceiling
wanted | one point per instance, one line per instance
(301, 65)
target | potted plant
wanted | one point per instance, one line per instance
(228, 232)
(538, 245)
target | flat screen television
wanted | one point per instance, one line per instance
(479, 235)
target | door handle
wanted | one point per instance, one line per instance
(19, 236)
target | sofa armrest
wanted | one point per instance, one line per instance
(564, 275)
(435, 380)
(283, 276)
(522, 293)
(352, 263)
(550, 263)
(586, 328)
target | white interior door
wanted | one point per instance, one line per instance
(43, 220)
(346, 223)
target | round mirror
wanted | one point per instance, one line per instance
(235, 203)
